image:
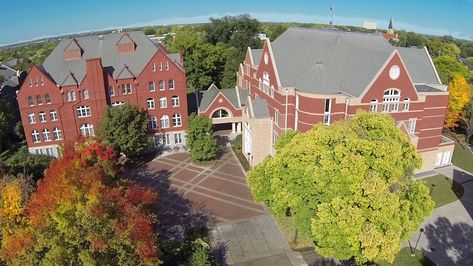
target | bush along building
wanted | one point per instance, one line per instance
(66, 97)
(309, 76)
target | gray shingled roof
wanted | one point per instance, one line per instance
(426, 88)
(418, 63)
(243, 96)
(113, 62)
(231, 95)
(256, 54)
(333, 61)
(260, 108)
(209, 95)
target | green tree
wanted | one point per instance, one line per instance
(149, 30)
(199, 138)
(23, 162)
(2, 79)
(349, 186)
(7, 125)
(469, 63)
(231, 67)
(125, 128)
(440, 47)
(448, 67)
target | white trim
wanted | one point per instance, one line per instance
(433, 65)
(273, 62)
(216, 96)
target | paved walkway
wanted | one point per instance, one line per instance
(448, 233)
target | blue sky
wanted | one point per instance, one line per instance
(31, 19)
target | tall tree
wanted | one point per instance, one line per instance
(125, 127)
(82, 214)
(448, 67)
(440, 47)
(349, 186)
(459, 97)
(200, 138)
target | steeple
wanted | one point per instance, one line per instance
(390, 27)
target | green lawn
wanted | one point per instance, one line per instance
(404, 258)
(296, 241)
(462, 158)
(443, 189)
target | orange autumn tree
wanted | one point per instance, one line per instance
(82, 214)
(459, 97)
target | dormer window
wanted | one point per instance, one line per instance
(72, 51)
(125, 44)
(36, 82)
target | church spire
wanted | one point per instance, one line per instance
(390, 24)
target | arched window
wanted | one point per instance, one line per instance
(53, 115)
(374, 106)
(151, 86)
(175, 101)
(176, 120)
(266, 78)
(171, 84)
(46, 135)
(163, 103)
(42, 117)
(152, 122)
(47, 98)
(220, 113)
(35, 136)
(71, 95)
(87, 130)
(406, 104)
(164, 121)
(85, 94)
(57, 133)
(30, 101)
(39, 100)
(150, 103)
(391, 101)
(31, 118)
(161, 85)
(83, 111)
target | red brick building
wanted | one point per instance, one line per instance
(67, 96)
(309, 76)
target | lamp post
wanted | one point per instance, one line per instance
(417, 242)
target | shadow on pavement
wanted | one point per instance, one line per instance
(466, 181)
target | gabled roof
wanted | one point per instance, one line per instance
(334, 61)
(256, 55)
(72, 46)
(260, 108)
(212, 92)
(69, 80)
(125, 73)
(125, 39)
(94, 47)
(426, 88)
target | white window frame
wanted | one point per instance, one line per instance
(85, 94)
(150, 103)
(154, 67)
(167, 65)
(87, 130)
(49, 151)
(327, 111)
(30, 101)
(39, 100)
(47, 98)
(164, 121)
(152, 122)
(46, 135)
(115, 104)
(111, 91)
(171, 82)
(152, 86)
(175, 101)
(391, 99)
(374, 106)
(53, 115)
(163, 102)
(31, 118)
(160, 66)
(83, 111)
(176, 120)
(177, 138)
(162, 85)
(42, 117)
(406, 105)
(35, 136)
(167, 139)
(57, 134)
(412, 126)
(276, 116)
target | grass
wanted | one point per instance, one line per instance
(299, 242)
(404, 258)
(443, 189)
(242, 159)
(463, 158)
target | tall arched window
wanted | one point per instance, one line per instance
(71, 95)
(30, 101)
(151, 86)
(35, 136)
(85, 94)
(46, 135)
(161, 85)
(374, 105)
(47, 98)
(171, 84)
(164, 121)
(87, 130)
(391, 101)
(57, 134)
(176, 120)
(152, 122)
(220, 113)
(39, 100)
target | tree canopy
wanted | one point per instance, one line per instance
(80, 214)
(125, 127)
(199, 138)
(349, 186)
(448, 67)
(460, 93)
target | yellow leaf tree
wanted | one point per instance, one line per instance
(459, 97)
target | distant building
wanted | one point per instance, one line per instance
(11, 83)
(66, 96)
(262, 36)
(309, 76)
(390, 35)
(370, 25)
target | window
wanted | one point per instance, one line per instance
(31, 118)
(374, 106)
(35, 136)
(85, 94)
(30, 101)
(171, 84)
(151, 86)
(175, 101)
(46, 135)
(39, 100)
(160, 66)
(111, 91)
(154, 67)
(176, 120)
(327, 109)
(412, 126)
(83, 111)
(275, 137)
(177, 138)
(391, 101)
(266, 83)
(42, 117)
(53, 115)
(163, 102)
(276, 116)
(38, 151)
(161, 85)
(406, 105)
(167, 65)
(150, 103)
(42, 81)
(47, 98)
(71, 95)
(220, 113)
(117, 104)
(165, 121)
(36, 82)
(167, 139)
(57, 134)
(152, 122)
(49, 152)
(31, 83)
(87, 130)
(126, 89)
